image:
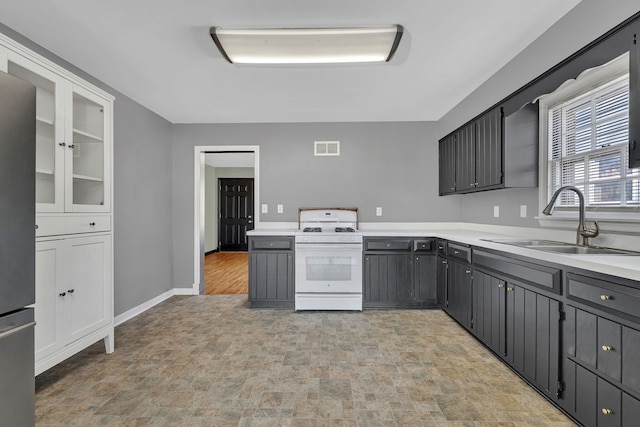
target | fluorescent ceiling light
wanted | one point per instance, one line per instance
(307, 45)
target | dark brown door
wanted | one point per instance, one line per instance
(236, 213)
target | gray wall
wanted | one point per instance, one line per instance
(142, 243)
(586, 22)
(392, 165)
(211, 200)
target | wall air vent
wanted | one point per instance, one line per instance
(326, 148)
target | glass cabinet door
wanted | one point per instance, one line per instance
(50, 141)
(88, 181)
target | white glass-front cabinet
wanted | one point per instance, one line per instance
(73, 141)
(74, 255)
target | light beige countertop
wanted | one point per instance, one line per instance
(474, 234)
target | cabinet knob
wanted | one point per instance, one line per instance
(606, 411)
(501, 285)
(468, 271)
(62, 294)
(71, 291)
(605, 297)
(444, 262)
(509, 289)
(70, 146)
(607, 348)
(92, 224)
(62, 144)
(456, 252)
(453, 188)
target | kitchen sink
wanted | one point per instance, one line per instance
(562, 248)
(584, 250)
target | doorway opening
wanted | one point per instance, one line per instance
(226, 194)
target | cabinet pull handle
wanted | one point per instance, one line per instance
(70, 146)
(444, 262)
(62, 294)
(62, 144)
(606, 411)
(467, 271)
(456, 252)
(509, 289)
(92, 224)
(605, 297)
(607, 348)
(71, 291)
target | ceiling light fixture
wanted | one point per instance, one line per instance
(307, 45)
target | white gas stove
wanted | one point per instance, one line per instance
(328, 260)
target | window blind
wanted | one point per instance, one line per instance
(588, 148)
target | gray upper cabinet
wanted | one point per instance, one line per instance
(491, 152)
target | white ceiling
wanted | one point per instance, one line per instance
(159, 53)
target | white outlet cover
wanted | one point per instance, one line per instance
(280, 208)
(496, 211)
(523, 211)
(264, 208)
(378, 211)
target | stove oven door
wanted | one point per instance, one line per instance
(329, 268)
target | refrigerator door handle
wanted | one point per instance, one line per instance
(17, 329)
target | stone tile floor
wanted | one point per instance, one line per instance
(211, 361)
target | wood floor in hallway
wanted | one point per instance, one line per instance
(226, 273)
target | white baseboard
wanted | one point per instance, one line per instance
(129, 314)
(183, 291)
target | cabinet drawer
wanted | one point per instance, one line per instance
(458, 251)
(57, 225)
(270, 243)
(441, 247)
(387, 245)
(533, 274)
(423, 245)
(602, 294)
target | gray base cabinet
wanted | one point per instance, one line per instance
(271, 272)
(399, 273)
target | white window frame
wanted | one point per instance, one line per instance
(620, 219)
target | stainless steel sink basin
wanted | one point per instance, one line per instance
(562, 248)
(584, 250)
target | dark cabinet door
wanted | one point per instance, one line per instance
(488, 149)
(465, 158)
(631, 359)
(271, 279)
(460, 292)
(424, 290)
(442, 279)
(634, 102)
(386, 280)
(533, 337)
(489, 311)
(609, 407)
(447, 165)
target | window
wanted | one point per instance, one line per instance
(584, 130)
(588, 148)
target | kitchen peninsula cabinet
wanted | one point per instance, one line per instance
(399, 273)
(73, 192)
(271, 272)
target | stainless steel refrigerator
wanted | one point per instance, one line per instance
(17, 250)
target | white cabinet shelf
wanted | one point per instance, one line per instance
(82, 136)
(87, 178)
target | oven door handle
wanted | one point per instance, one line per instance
(315, 246)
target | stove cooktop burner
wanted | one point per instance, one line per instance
(345, 230)
(312, 230)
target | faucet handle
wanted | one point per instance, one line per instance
(586, 232)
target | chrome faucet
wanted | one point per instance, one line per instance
(583, 233)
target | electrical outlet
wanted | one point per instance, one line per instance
(378, 211)
(496, 211)
(523, 211)
(265, 208)
(280, 208)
